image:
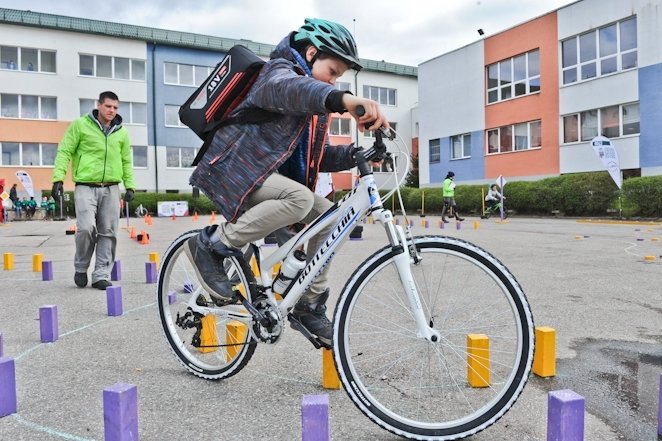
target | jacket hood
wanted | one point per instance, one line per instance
(282, 49)
(115, 124)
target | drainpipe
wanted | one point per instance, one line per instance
(154, 130)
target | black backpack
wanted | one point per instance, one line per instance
(208, 108)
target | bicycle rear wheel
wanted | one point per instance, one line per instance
(443, 390)
(211, 346)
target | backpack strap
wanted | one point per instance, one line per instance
(249, 116)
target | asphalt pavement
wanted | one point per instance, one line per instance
(589, 281)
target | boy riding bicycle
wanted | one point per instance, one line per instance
(240, 170)
(492, 201)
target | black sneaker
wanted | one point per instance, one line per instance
(101, 284)
(314, 320)
(207, 252)
(80, 279)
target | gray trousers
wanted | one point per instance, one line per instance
(97, 217)
(278, 203)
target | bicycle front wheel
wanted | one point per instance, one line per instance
(440, 390)
(213, 345)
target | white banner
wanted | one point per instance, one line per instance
(172, 208)
(25, 179)
(324, 186)
(609, 157)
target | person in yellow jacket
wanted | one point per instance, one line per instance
(100, 150)
(449, 198)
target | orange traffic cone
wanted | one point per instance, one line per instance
(132, 233)
(212, 219)
(195, 215)
(174, 217)
(149, 219)
(144, 238)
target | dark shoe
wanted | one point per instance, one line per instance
(101, 284)
(80, 279)
(313, 320)
(207, 252)
(444, 220)
(459, 219)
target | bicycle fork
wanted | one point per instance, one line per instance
(406, 257)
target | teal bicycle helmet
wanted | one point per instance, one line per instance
(331, 38)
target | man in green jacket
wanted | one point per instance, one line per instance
(449, 198)
(100, 150)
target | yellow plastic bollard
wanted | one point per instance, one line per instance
(544, 357)
(478, 360)
(8, 259)
(36, 262)
(330, 379)
(154, 257)
(208, 335)
(235, 332)
(476, 225)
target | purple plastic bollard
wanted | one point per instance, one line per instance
(659, 411)
(46, 271)
(114, 300)
(458, 225)
(48, 323)
(116, 272)
(565, 416)
(150, 272)
(315, 418)
(7, 386)
(172, 297)
(120, 412)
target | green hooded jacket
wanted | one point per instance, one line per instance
(97, 156)
(448, 188)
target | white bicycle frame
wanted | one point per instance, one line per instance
(362, 200)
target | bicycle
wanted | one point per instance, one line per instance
(494, 209)
(400, 324)
(140, 211)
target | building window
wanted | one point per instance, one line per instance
(370, 134)
(611, 121)
(185, 74)
(172, 116)
(134, 113)
(180, 157)
(139, 155)
(104, 66)
(28, 107)
(461, 146)
(603, 51)
(28, 154)
(382, 95)
(514, 137)
(86, 106)
(513, 77)
(340, 85)
(339, 127)
(27, 59)
(435, 151)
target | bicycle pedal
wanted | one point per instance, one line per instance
(297, 325)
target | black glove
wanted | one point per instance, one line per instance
(128, 196)
(57, 190)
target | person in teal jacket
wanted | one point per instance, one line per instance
(98, 146)
(449, 198)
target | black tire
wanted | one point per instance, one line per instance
(178, 277)
(416, 388)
